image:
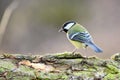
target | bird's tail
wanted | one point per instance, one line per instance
(94, 47)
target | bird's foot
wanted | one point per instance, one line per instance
(73, 52)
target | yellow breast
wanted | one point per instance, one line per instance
(76, 43)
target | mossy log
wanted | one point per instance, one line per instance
(62, 66)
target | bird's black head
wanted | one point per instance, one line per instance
(66, 26)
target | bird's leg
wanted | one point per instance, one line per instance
(73, 52)
(85, 49)
(86, 46)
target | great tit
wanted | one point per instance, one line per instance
(79, 36)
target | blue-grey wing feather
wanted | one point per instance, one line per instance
(82, 37)
(85, 37)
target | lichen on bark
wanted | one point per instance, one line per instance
(62, 66)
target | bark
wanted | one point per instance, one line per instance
(62, 66)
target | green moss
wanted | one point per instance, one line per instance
(68, 55)
(22, 78)
(110, 77)
(112, 69)
(2, 69)
(12, 73)
(52, 76)
(88, 75)
(66, 65)
(27, 70)
(113, 73)
(81, 73)
(7, 64)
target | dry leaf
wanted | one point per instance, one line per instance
(25, 62)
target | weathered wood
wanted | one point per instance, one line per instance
(62, 66)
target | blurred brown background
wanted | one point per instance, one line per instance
(31, 26)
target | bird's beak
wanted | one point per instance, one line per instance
(60, 30)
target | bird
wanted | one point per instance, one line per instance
(79, 36)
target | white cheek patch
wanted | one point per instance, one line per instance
(68, 26)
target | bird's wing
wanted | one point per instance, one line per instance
(82, 37)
